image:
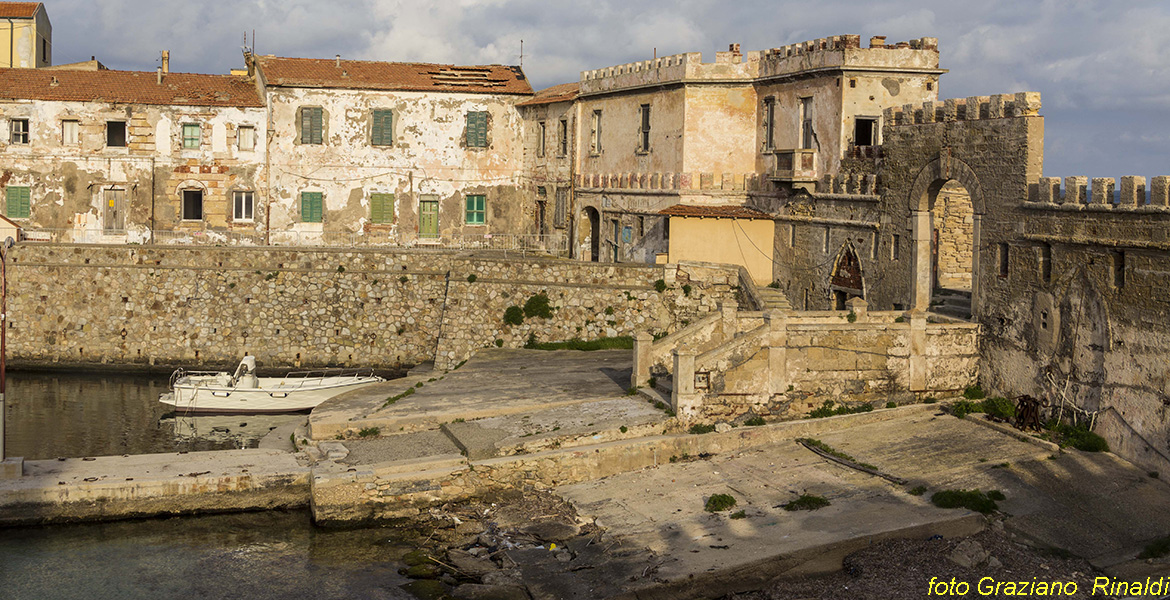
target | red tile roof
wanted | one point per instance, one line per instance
(128, 87)
(18, 10)
(564, 92)
(371, 75)
(719, 212)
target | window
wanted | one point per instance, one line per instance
(895, 245)
(806, 127)
(19, 131)
(560, 211)
(595, 133)
(17, 202)
(540, 139)
(475, 209)
(312, 122)
(828, 232)
(1003, 259)
(115, 134)
(246, 138)
(242, 206)
(1046, 263)
(382, 128)
(192, 205)
(381, 208)
(874, 240)
(192, 135)
(1118, 268)
(563, 137)
(852, 82)
(644, 131)
(792, 235)
(769, 123)
(69, 133)
(477, 132)
(864, 131)
(311, 207)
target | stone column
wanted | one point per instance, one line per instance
(860, 309)
(777, 345)
(920, 261)
(730, 324)
(917, 351)
(683, 398)
(976, 231)
(643, 341)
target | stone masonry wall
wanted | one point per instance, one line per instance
(146, 305)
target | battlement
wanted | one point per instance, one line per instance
(854, 184)
(975, 108)
(1076, 194)
(835, 51)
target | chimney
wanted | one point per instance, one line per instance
(159, 73)
(166, 61)
(338, 59)
(734, 49)
(877, 41)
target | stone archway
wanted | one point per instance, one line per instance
(944, 177)
(847, 280)
(594, 218)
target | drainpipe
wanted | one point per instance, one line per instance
(11, 42)
(152, 198)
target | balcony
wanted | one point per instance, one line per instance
(794, 165)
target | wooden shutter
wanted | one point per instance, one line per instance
(477, 130)
(561, 209)
(311, 207)
(311, 125)
(18, 205)
(382, 208)
(382, 133)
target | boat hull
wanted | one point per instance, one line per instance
(270, 397)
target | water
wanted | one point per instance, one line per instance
(72, 415)
(260, 556)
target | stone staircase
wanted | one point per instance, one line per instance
(774, 299)
(952, 303)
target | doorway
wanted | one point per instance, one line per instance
(428, 216)
(540, 219)
(594, 233)
(847, 280)
(952, 241)
(114, 218)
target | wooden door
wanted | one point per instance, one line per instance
(428, 217)
(115, 210)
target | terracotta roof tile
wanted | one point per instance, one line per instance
(371, 75)
(564, 92)
(723, 212)
(18, 10)
(128, 87)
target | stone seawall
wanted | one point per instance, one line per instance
(87, 305)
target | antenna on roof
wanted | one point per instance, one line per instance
(521, 54)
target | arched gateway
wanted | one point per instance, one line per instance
(947, 206)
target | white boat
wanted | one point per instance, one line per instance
(243, 392)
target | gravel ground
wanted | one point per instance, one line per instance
(897, 569)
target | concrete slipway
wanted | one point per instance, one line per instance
(1096, 506)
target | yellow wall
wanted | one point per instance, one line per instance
(23, 42)
(746, 242)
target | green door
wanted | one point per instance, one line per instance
(428, 217)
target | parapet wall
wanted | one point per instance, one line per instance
(1077, 195)
(974, 108)
(673, 181)
(153, 305)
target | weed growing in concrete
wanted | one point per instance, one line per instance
(1153, 474)
(807, 502)
(974, 393)
(827, 449)
(963, 408)
(499, 343)
(917, 490)
(538, 306)
(623, 429)
(340, 269)
(851, 317)
(1156, 549)
(459, 420)
(1002, 466)
(829, 409)
(608, 310)
(270, 276)
(513, 315)
(719, 502)
(738, 515)
(653, 382)
(418, 385)
(698, 429)
(791, 387)
(369, 432)
(621, 342)
(471, 278)
(686, 288)
(929, 400)
(755, 422)
(774, 285)
(660, 286)
(531, 342)
(891, 405)
(974, 500)
(1078, 436)
(403, 279)
(401, 330)
(461, 363)
(232, 285)
(632, 391)
(393, 399)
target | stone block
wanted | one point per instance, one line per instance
(1102, 194)
(1160, 191)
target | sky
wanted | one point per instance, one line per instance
(1102, 67)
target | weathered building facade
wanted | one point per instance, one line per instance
(29, 40)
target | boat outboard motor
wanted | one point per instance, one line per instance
(246, 374)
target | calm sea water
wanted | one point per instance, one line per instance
(52, 414)
(255, 556)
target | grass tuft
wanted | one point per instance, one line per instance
(807, 502)
(970, 499)
(719, 502)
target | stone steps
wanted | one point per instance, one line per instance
(774, 299)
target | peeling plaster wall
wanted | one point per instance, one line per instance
(621, 123)
(67, 181)
(719, 125)
(429, 156)
(554, 170)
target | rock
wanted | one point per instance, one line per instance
(478, 551)
(968, 554)
(475, 591)
(416, 557)
(422, 572)
(722, 427)
(426, 589)
(552, 531)
(511, 577)
(564, 557)
(993, 563)
(470, 564)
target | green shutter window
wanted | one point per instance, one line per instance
(382, 133)
(18, 207)
(192, 135)
(476, 209)
(311, 119)
(381, 208)
(311, 207)
(477, 129)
